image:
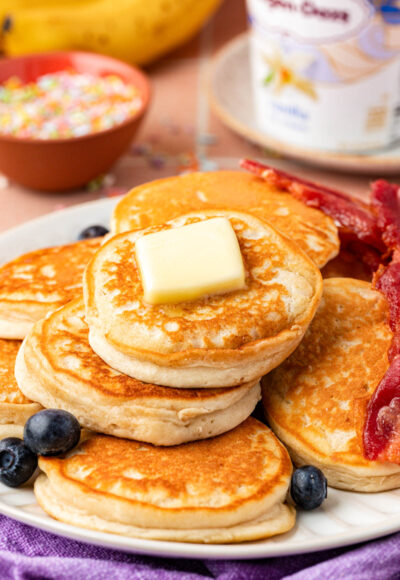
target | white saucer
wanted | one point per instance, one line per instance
(232, 101)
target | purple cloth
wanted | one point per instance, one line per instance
(30, 554)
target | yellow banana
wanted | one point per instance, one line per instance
(9, 6)
(138, 31)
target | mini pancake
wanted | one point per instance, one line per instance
(216, 341)
(40, 282)
(15, 408)
(231, 488)
(57, 368)
(316, 400)
(159, 201)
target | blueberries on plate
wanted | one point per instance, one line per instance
(52, 432)
(17, 462)
(309, 487)
(93, 232)
(49, 432)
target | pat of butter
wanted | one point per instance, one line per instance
(189, 262)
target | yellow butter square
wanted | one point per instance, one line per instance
(191, 261)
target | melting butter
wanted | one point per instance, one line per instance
(189, 262)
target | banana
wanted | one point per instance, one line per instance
(138, 31)
(9, 6)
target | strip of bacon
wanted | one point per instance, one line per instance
(394, 349)
(385, 201)
(285, 180)
(382, 426)
(387, 281)
(347, 212)
(377, 233)
(346, 215)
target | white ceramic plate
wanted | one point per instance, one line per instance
(232, 100)
(345, 518)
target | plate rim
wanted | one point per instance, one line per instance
(161, 548)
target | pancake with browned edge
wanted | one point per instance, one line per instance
(215, 341)
(316, 400)
(15, 407)
(230, 488)
(40, 282)
(164, 199)
(58, 368)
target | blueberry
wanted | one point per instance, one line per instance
(17, 462)
(52, 432)
(93, 232)
(308, 488)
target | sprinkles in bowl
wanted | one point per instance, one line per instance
(65, 104)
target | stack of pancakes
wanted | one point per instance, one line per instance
(179, 381)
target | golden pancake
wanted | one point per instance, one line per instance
(316, 400)
(227, 489)
(159, 201)
(57, 368)
(15, 408)
(40, 282)
(215, 341)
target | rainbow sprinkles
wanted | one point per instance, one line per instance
(65, 105)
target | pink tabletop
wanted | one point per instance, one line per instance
(179, 133)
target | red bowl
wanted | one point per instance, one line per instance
(62, 164)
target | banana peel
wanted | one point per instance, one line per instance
(137, 31)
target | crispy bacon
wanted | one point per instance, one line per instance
(386, 203)
(348, 213)
(373, 233)
(387, 281)
(394, 349)
(382, 426)
(285, 180)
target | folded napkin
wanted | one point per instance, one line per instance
(30, 554)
